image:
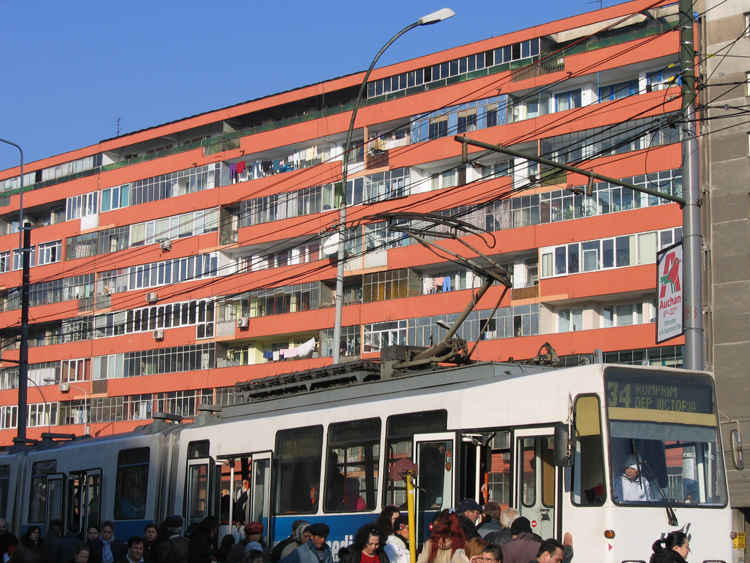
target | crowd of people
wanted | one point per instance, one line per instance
(469, 534)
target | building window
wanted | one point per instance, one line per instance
(75, 370)
(18, 258)
(662, 79)
(81, 206)
(50, 252)
(567, 100)
(618, 91)
(569, 320)
(115, 198)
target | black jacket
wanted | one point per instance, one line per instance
(201, 549)
(667, 556)
(468, 526)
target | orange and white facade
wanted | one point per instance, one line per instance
(173, 262)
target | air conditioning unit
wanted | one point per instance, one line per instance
(166, 245)
(243, 322)
(158, 335)
(152, 297)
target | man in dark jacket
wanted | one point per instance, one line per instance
(6, 538)
(468, 510)
(65, 549)
(175, 549)
(134, 553)
(53, 536)
(524, 546)
(507, 518)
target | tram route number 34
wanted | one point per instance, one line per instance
(617, 397)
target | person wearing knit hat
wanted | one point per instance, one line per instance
(280, 551)
(316, 550)
(631, 486)
(253, 533)
(524, 545)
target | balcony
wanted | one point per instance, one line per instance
(530, 292)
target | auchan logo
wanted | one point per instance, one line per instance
(671, 275)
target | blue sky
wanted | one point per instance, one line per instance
(71, 68)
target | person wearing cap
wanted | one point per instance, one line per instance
(253, 532)
(468, 511)
(316, 550)
(631, 486)
(175, 549)
(397, 544)
(525, 544)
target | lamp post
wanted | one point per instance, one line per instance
(64, 388)
(429, 19)
(24, 242)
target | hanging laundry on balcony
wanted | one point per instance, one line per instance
(268, 355)
(447, 283)
(240, 167)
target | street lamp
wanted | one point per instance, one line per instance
(429, 19)
(65, 388)
(24, 243)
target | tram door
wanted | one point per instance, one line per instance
(536, 479)
(260, 501)
(55, 497)
(199, 490)
(83, 498)
(434, 456)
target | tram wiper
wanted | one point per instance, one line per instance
(671, 516)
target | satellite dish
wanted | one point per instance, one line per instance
(331, 246)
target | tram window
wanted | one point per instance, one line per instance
(352, 466)
(400, 430)
(38, 500)
(300, 452)
(588, 467)
(528, 472)
(498, 476)
(197, 450)
(4, 484)
(132, 483)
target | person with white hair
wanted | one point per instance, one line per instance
(631, 486)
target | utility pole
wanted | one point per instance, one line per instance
(692, 239)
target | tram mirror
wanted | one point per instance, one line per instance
(587, 416)
(738, 456)
(563, 448)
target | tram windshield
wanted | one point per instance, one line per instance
(663, 439)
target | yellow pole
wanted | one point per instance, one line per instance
(412, 517)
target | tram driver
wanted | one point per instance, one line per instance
(631, 486)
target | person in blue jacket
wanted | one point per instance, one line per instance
(316, 549)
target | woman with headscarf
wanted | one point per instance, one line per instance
(301, 535)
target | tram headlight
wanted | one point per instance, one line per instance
(609, 534)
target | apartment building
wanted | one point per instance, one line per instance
(173, 262)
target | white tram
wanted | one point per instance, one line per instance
(318, 446)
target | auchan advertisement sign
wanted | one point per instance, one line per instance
(669, 322)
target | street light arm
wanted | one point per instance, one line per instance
(341, 254)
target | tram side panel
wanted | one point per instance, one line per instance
(119, 478)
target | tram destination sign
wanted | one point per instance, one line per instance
(654, 392)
